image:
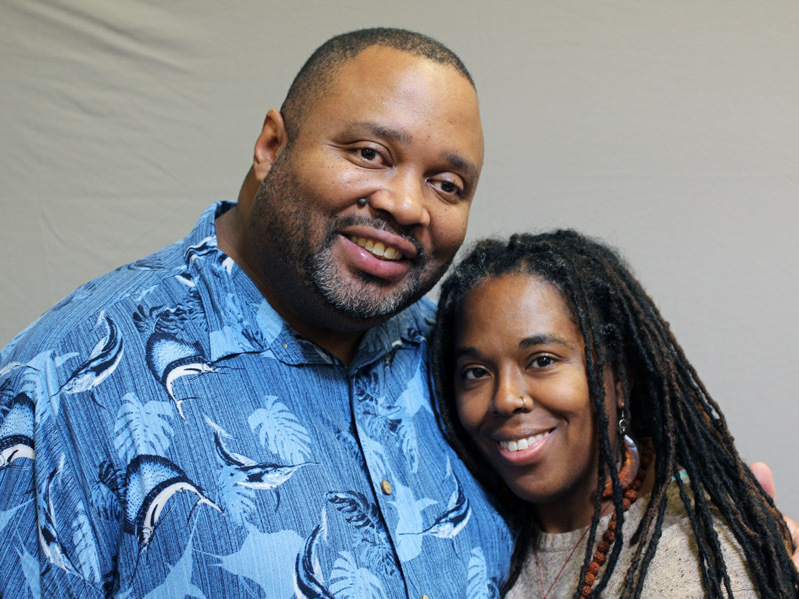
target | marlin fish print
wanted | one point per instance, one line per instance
(170, 359)
(16, 431)
(452, 520)
(150, 482)
(53, 549)
(307, 581)
(102, 361)
(256, 475)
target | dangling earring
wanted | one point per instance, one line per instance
(631, 460)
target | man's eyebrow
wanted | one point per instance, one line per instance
(379, 131)
(463, 165)
(542, 339)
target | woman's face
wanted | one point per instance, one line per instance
(516, 338)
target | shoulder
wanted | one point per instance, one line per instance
(423, 314)
(72, 319)
(675, 569)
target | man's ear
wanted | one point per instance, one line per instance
(272, 140)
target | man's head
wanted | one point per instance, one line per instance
(364, 201)
(319, 71)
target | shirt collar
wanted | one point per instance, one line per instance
(240, 320)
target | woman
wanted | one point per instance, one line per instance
(556, 371)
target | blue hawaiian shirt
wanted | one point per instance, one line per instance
(164, 433)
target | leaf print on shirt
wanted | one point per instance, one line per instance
(480, 585)
(5, 516)
(371, 537)
(86, 556)
(348, 440)
(142, 429)
(164, 319)
(415, 397)
(101, 363)
(281, 431)
(348, 581)
(16, 430)
(384, 419)
(31, 571)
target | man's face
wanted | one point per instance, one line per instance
(403, 133)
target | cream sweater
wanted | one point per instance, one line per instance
(672, 574)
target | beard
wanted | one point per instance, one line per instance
(294, 235)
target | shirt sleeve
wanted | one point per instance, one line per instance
(48, 542)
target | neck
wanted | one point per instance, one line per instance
(575, 509)
(566, 515)
(231, 241)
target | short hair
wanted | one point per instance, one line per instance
(623, 330)
(319, 70)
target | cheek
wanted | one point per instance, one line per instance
(470, 414)
(448, 228)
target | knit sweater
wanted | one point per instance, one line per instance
(673, 573)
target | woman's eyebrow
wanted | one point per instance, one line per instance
(541, 339)
(466, 352)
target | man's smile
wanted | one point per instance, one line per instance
(376, 248)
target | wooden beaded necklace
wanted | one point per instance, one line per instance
(631, 476)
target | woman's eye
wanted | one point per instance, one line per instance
(543, 361)
(473, 373)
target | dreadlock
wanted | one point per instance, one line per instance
(623, 329)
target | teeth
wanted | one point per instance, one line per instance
(376, 248)
(521, 444)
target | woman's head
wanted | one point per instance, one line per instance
(522, 395)
(580, 293)
(585, 284)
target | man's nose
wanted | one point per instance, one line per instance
(403, 197)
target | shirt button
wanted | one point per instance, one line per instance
(386, 486)
(425, 597)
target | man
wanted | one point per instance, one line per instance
(247, 412)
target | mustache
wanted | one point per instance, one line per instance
(395, 228)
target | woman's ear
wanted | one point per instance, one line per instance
(623, 385)
(271, 141)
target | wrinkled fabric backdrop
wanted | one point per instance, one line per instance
(669, 129)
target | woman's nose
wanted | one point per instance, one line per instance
(511, 396)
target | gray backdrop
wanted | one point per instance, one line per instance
(671, 129)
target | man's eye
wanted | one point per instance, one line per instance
(449, 188)
(368, 153)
